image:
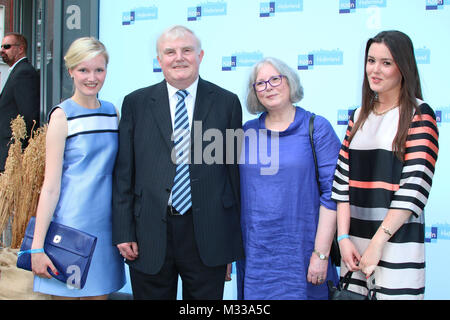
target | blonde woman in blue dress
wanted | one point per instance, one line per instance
(81, 146)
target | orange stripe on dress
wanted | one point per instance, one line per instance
(424, 117)
(373, 185)
(420, 130)
(344, 154)
(347, 133)
(422, 142)
(345, 143)
(420, 155)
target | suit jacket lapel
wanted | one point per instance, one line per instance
(203, 105)
(11, 74)
(16, 68)
(159, 107)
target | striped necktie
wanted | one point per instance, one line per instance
(181, 191)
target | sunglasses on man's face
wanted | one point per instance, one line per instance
(7, 46)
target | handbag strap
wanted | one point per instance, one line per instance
(334, 246)
(346, 280)
(311, 141)
(371, 293)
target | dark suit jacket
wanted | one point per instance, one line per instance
(144, 175)
(20, 95)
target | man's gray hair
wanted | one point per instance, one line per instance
(176, 32)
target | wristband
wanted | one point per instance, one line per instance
(341, 237)
(30, 251)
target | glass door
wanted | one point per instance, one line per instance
(43, 50)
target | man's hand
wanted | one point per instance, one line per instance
(128, 250)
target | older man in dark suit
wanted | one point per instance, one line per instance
(20, 95)
(171, 215)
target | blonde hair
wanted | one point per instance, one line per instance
(84, 49)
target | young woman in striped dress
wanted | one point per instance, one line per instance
(384, 174)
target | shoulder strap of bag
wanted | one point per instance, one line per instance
(334, 252)
(311, 140)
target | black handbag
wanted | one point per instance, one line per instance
(335, 253)
(69, 249)
(342, 293)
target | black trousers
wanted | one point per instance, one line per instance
(200, 282)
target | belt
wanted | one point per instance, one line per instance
(171, 211)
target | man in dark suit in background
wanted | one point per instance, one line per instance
(162, 229)
(20, 95)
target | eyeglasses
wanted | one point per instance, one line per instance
(7, 46)
(274, 81)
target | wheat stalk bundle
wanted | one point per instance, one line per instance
(32, 177)
(10, 178)
(21, 182)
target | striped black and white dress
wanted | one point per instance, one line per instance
(371, 178)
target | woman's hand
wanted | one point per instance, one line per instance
(370, 258)
(39, 264)
(395, 218)
(317, 271)
(350, 256)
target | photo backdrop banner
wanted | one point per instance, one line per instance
(323, 40)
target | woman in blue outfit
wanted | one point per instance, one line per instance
(287, 224)
(81, 146)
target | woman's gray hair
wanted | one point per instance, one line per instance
(254, 106)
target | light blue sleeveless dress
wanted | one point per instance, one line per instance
(86, 195)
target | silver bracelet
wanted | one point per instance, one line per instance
(386, 230)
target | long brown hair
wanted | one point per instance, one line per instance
(402, 50)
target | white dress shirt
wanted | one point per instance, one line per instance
(189, 101)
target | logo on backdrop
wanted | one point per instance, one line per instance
(350, 6)
(422, 55)
(344, 115)
(442, 115)
(438, 117)
(206, 10)
(437, 232)
(320, 58)
(431, 234)
(139, 14)
(435, 4)
(268, 9)
(156, 66)
(240, 59)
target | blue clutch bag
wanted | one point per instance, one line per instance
(69, 249)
